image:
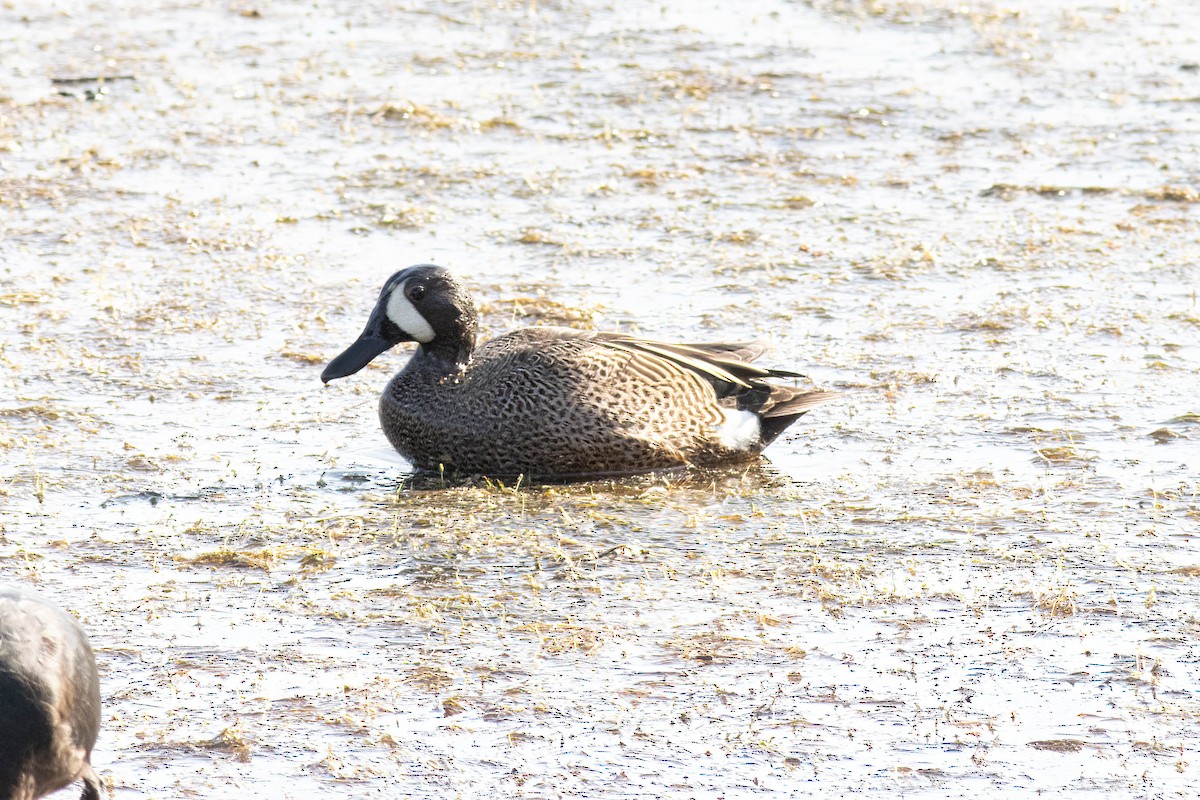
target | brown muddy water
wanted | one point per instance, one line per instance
(978, 573)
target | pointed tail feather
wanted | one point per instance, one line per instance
(799, 403)
(778, 416)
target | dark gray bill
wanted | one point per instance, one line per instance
(356, 356)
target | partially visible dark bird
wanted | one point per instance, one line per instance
(49, 699)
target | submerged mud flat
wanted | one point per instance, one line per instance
(978, 571)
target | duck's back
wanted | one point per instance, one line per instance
(555, 401)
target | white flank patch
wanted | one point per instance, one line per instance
(404, 314)
(740, 430)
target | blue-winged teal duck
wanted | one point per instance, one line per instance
(49, 699)
(557, 402)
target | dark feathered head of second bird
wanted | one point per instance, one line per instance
(422, 304)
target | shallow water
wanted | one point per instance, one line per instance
(978, 572)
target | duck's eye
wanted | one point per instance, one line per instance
(415, 293)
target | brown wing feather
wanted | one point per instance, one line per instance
(744, 352)
(703, 367)
(724, 364)
(735, 358)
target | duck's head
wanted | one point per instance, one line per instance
(422, 304)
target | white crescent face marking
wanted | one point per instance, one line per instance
(405, 316)
(740, 430)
